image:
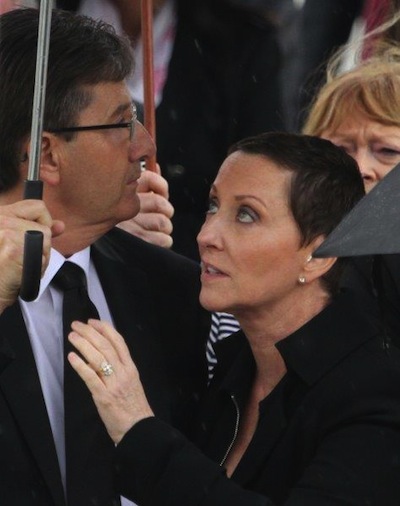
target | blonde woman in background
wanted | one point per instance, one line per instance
(359, 110)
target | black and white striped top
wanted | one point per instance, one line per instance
(222, 325)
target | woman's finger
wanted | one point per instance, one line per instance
(107, 331)
(102, 358)
(98, 340)
(120, 398)
(91, 355)
(87, 374)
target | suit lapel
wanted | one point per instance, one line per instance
(20, 385)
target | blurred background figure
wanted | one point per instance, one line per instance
(217, 80)
(6, 5)
(375, 14)
(321, 28)
(359, 109)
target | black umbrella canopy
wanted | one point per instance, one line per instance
(372, 227)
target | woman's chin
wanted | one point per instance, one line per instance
(213, 303)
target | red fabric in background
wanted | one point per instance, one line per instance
(374, 13)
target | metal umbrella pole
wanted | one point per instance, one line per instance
(33, 247)
(148, 74)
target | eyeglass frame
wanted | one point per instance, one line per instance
(106, 126)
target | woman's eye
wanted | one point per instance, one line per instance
(212, 206)
(346, 147)
(388, 152)
(247, 215)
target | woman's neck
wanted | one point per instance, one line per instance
(266, 327)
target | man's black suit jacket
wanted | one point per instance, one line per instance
(152, 294)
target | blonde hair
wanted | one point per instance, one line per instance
(372, 88)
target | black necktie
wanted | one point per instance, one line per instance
(88, 448)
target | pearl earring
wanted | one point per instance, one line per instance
(302, 280)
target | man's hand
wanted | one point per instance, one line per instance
(153, 223)
(15, 220)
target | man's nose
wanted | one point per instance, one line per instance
(142, 145)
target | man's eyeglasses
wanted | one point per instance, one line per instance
(129, 124)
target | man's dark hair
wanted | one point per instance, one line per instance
(83, 52)
(326, 183)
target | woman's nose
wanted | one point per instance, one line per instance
(209, 235)
(368, 168)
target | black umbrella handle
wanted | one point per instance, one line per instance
(33, 249)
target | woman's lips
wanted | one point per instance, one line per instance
(209, 270)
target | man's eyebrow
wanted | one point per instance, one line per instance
(122, 108)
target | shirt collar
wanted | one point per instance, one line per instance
(81, 258)
(311, 351)
(323, 342)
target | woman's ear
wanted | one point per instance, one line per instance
(316, 267)
(49, 159)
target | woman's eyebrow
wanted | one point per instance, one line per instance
(249, 196)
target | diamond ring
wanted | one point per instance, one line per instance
(106, 369)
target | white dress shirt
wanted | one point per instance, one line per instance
(43, 320)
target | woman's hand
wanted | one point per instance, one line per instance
(110, 375)
(153, 222)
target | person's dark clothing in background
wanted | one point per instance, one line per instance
(323, 26)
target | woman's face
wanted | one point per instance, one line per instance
(375, 147)
(249, 244)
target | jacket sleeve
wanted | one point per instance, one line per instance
(156, 465)
(355, 463)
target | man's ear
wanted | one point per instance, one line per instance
(316, 267)
(49, 159)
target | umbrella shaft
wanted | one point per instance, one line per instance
(40, 88)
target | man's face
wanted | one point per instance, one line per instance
(99, 169)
